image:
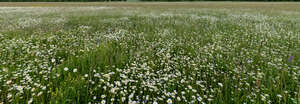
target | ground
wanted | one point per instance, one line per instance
(150, 52)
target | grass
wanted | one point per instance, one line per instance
(205, 4)
(199, 52)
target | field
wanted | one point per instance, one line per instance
(152, 53)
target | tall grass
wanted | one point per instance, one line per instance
(142, 55)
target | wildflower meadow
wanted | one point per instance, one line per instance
(150, 53)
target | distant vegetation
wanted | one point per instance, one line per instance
(220, 0)
(57, 0)
(125, 0)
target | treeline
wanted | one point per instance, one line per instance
(58, 0)
(220, 0)
(125, 0)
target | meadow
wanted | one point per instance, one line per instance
(150, 53)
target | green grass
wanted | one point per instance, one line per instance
(136, 54)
